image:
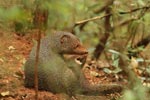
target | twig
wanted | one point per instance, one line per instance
(125, 22)
(100, 17)
(91, 19)
(134, 10)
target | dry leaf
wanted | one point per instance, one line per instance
(6, 93)
(93, 73)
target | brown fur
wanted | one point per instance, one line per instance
(58, 75)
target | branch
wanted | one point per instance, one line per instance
(91, 19)
(100, 17)
(125, 22)
(134, 10)
(102, 41)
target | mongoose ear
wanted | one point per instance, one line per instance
(64, 38)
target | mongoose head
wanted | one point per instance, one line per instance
(69, 44)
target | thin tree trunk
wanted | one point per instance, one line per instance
(102, 41)
(36, 65)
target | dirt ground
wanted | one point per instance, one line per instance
(14, 51)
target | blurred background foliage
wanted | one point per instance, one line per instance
(127, 27)
(64, 15)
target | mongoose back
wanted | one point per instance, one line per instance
(55, 74)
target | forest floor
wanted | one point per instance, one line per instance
(14, 51)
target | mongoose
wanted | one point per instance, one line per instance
(56, 74)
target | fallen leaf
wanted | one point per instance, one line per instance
(134, 63)
(11, 48)
(93, 73)
(6, 93)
